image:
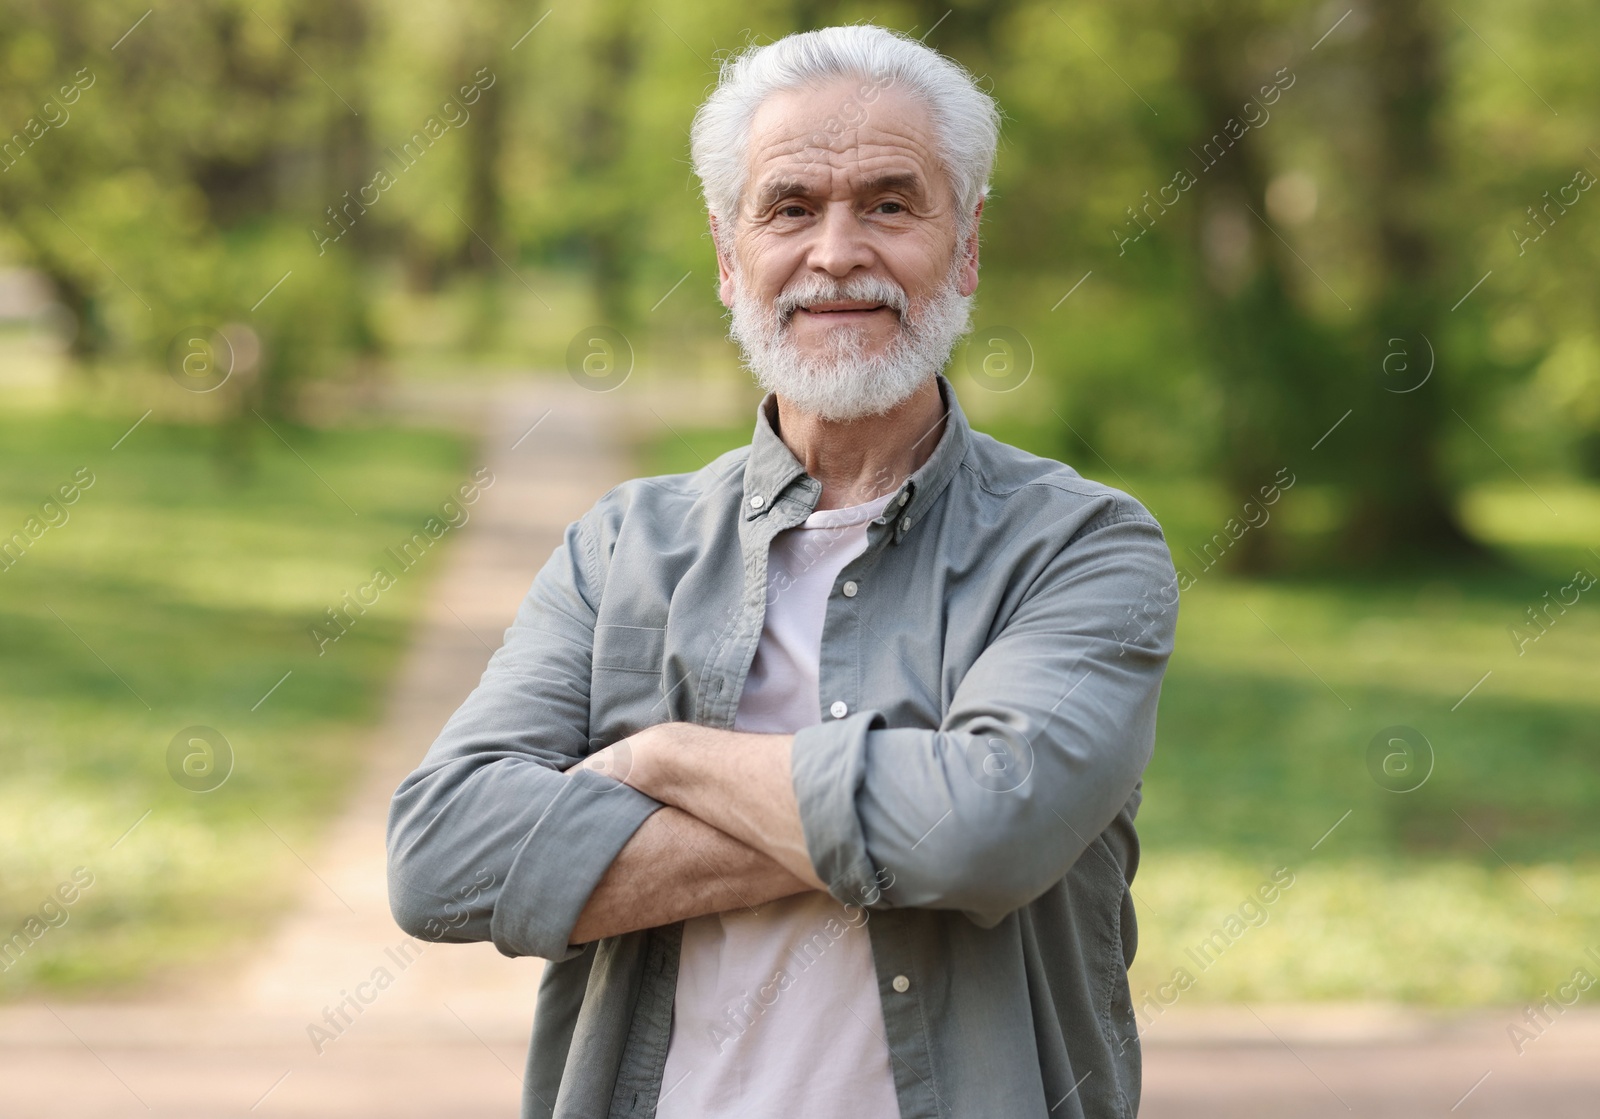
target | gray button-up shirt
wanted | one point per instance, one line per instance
(988, 692)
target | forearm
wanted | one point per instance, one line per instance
(736, 782)
(674, 867)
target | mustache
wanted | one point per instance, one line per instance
(873, 289)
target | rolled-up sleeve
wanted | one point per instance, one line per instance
(1043, 743)
(489, 839)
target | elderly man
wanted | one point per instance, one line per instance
(812, 774)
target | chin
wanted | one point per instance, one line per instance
(827, 356)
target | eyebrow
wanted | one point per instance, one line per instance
(909, 182)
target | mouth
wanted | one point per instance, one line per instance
(843, 310)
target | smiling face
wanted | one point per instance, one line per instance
(843, 269)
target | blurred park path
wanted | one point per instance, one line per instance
(1281, 1062)
(448, 1036)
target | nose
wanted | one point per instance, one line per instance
(840, 244)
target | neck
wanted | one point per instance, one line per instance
(858, 460)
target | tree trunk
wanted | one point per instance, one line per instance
(601, 147)
(1269, 357)
(1403, 508)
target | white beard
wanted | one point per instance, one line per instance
(842, 382)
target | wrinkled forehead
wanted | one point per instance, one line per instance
(836, 141)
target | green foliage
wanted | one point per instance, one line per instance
(1386, 162)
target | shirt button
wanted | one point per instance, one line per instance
(904, 497)
(757, 501)
(850, 589)
(839, 709)
(901, 984)
(905, 524)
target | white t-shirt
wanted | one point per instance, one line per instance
(777, 1012)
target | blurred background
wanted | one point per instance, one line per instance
(1316, 282)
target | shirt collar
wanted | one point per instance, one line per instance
(772, 473)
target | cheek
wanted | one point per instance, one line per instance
(766, 267)
(765, 256)
(933, 257)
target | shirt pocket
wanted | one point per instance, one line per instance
(629, 649)
(625, 695)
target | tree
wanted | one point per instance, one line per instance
(1403, 504)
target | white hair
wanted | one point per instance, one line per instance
(966, 120)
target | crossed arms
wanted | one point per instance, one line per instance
(516, 830)
(729, 837)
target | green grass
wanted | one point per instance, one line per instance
(1481, 886)
(177, 593)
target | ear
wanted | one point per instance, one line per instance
(969, 266)
(724, 266)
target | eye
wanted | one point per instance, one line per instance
(793, 210)
(899, 208)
